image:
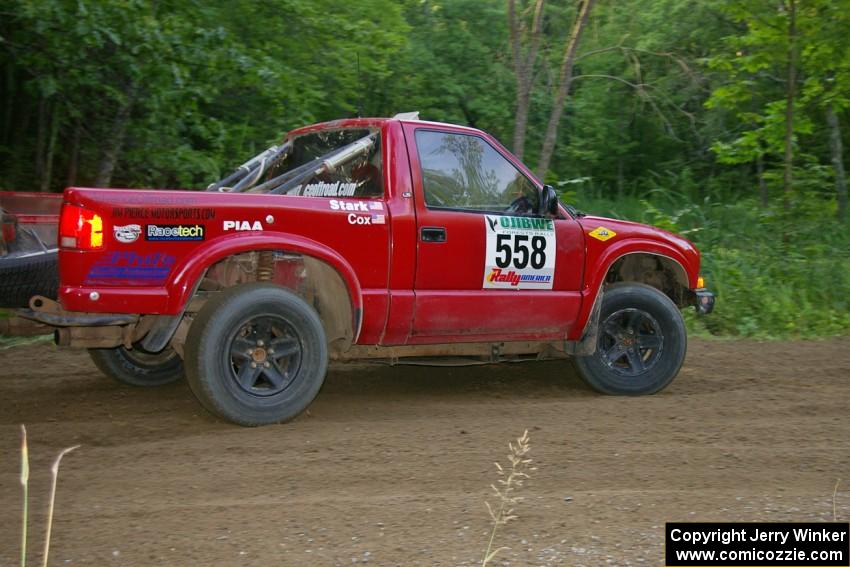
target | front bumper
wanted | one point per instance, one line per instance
(704, 301)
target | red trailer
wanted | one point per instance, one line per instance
(28, 246)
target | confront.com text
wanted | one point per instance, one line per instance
(757, 544)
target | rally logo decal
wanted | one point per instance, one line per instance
(602, 233)
(520, 253)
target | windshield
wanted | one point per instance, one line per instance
(325, 163)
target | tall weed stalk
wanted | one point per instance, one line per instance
(510, 480)
(25, 475)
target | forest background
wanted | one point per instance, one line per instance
(722, 120)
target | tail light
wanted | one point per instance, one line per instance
(80, 228)
(8, 230)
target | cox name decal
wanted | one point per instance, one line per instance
(374, 218)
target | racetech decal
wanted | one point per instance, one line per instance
(174, 232)
(520, 253)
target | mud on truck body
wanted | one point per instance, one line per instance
(386, 239)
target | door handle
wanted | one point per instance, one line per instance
(433, 234)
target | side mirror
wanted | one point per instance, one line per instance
(548, 201)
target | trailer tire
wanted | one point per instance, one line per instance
(24, 276)
(138, 368)
(256, 354)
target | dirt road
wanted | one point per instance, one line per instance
(392, 465)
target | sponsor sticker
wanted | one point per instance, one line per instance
(129, 267)
(127, 233)
(337, 189)
(229, 225)
(360, 219)
(520, 253)
(336, 205)
(173, 232)
(164, 213)
(602, 233)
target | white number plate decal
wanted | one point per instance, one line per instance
(520, 253)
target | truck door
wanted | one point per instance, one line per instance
(488, 267)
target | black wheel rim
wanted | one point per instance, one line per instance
(630, 342)
(265, 355)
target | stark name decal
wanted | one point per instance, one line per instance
(520, 253)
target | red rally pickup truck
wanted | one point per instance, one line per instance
(392, 239)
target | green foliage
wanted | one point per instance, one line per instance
(764, 289)
(676, 112)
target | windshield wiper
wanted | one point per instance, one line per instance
(574, 211)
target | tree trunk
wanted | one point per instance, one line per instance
(74, 154)
(837, 152)
(10, 103)
(115, 141)
(563, 87)
(51, 150)
(789, 105)
(40, 141)
(523, 65)
(621, 178)
(762, 182)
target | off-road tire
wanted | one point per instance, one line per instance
(644, 361)
(242, 326)
(22, 277)
(138, 368)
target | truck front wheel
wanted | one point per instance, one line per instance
(256, 354)
(138, 368)
(641, 345)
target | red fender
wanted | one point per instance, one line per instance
(184, 279)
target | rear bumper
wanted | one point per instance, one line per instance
(50, 313)
(704, 301)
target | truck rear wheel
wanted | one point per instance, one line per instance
(642, 342)
(138, 368)
(256, 354)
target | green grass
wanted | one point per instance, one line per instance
(766, 287)
(11, 342)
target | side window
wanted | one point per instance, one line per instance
(464, 172)
(355, 170)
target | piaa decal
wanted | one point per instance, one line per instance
(242, 225)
